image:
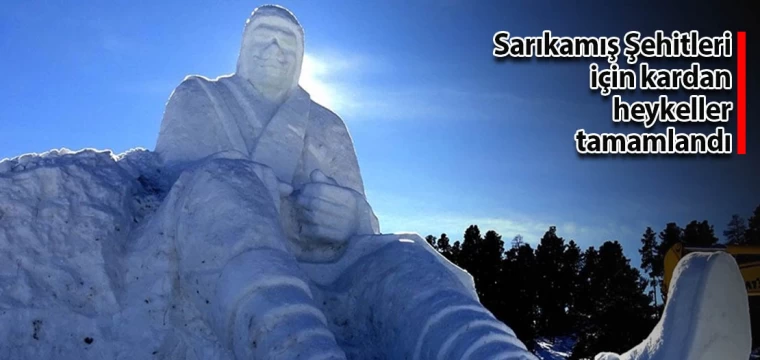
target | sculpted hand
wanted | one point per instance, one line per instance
(265, 173)
(327, 212)
(277, 189)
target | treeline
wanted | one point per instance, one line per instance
(594, 295)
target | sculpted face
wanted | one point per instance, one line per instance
(272, 52)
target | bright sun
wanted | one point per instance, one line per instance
(313, 73)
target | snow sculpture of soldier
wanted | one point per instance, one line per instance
(277, 247)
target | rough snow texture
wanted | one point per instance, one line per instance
(706, 316)
(65, 224)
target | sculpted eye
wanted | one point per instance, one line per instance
(287, 41)
(261, 37)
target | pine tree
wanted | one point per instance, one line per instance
(671, 235)
(553, 298)
(490, 255)
(649, 260)
(456, 250)
(468, 255)
(518, 277)
(517, 241)
(431, 240)
(571, 268)
(735, 230)
(443, 245)
(617, 311)
(752, 235)
(699, 233)
(588, 290)
(589, 293)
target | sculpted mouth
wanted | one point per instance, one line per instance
(267, 62)
(272, 67)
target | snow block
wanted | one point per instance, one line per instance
(706, 316)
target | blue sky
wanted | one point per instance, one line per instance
(446, 136)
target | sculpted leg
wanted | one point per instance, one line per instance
(419, 307)
(235, 269)
(268, 311)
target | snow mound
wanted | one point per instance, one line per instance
(64, 220)
(706, 316)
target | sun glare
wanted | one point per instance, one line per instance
(313, 79)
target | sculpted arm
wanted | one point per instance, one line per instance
(190, 128)
(330, 172)
(330, 148)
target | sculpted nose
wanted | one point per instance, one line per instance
(279, 54)
(274, 50)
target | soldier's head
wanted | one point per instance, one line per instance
(272, 51)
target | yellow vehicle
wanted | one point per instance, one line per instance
(748, 258)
